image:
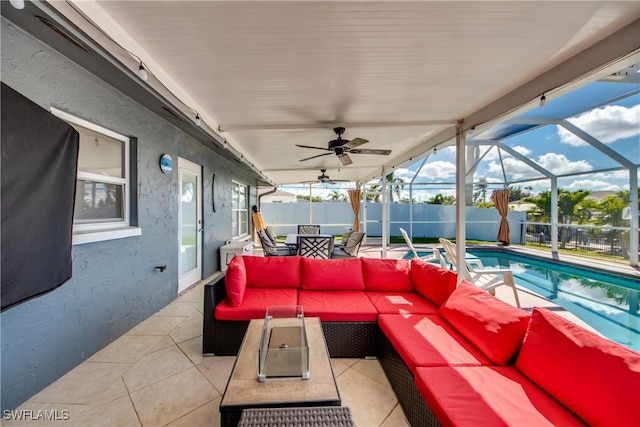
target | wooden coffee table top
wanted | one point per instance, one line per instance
(244, 390)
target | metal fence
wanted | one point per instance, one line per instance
(611, 241)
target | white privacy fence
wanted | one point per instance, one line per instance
(420, 220)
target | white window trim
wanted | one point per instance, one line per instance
(90, 233)
(241, 236)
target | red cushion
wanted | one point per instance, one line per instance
(596, 378)
(495, 327)
(255, 303)
(332, 274)
(272, 272)
(386, 275)
(336, 306)
(488, 396)
(428, 341)
(235, 281)
(432, 282)
(401, 303)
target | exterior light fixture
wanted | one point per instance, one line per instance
(142, 73)
(198, 121)
(543, 100)
(18, 4)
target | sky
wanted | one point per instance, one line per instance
(615, 124)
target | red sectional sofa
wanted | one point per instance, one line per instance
(454, 355)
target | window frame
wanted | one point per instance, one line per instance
(236, 212)
(87, 232)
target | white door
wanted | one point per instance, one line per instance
(189, 224)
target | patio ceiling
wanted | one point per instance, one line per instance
(266, 76)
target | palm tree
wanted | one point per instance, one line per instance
(480, 195)
(396, 185)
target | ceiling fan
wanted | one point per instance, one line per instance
(324, 179)
(342, 147)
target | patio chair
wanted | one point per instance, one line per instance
(485, 278)
(433, 254)
(269, 248)
(312, 246)
(350, 247)
(309, 229)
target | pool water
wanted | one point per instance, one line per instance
(605, 301)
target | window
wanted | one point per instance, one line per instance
(240, 208)
(102, 205)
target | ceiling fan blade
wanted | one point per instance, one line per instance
(380, 152)
(345, 159)
(313, 157)
(355, 142)
(315, 148)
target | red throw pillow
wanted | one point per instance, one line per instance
(494, 326)
(273, 271)
(386, 275)
(235, 281)
(597, 379)
(332, 274)
(432, 282)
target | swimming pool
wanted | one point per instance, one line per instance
(607, 302)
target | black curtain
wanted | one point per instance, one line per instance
(39, 162)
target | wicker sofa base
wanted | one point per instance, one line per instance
(404, 386)
(344, 339)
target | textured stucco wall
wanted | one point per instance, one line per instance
(114, 284)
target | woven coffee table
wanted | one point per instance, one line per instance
(244, 391)
(320, 416)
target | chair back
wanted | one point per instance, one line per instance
(433, 253)
(309, 229)
(352, 245)
(409, 242)
(268, 248)
(311, 246)
(451, 254)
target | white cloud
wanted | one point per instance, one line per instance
(607, 124)
(593, 184)
(514, 168)
(438, 170)
(560, 165)
(555, 163)
(522, 150)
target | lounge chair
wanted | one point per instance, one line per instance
(350, 247)
(432, 254)
(269, 248)
(485, 278)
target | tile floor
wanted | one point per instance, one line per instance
(155, 375)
